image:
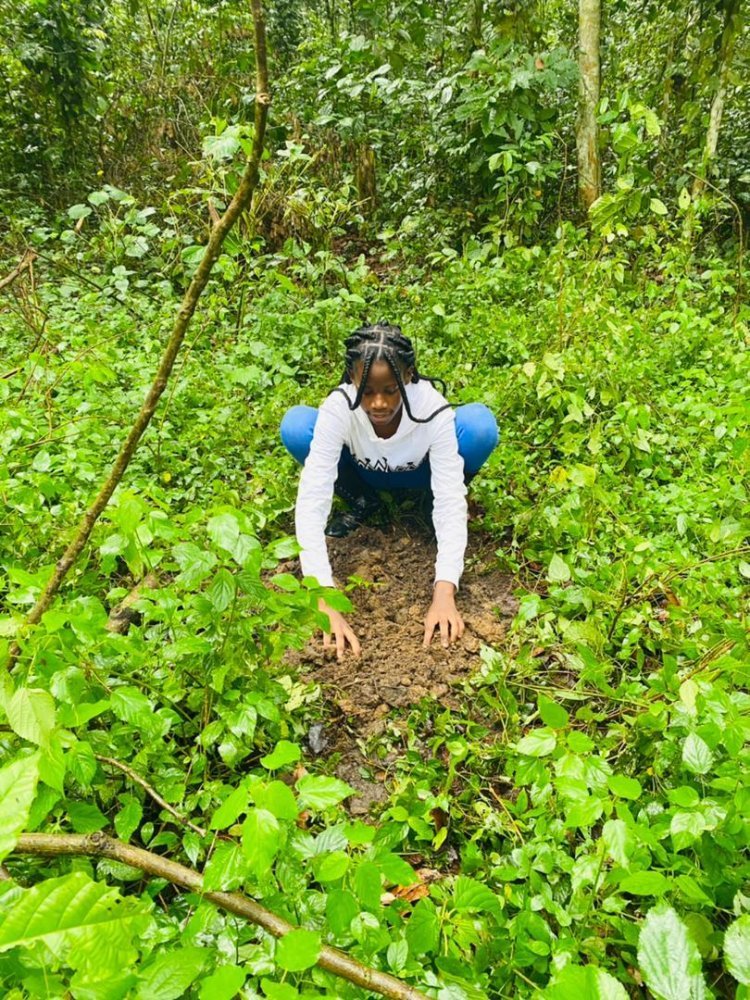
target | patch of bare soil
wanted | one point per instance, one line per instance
(395, 671)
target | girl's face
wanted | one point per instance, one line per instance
(381, 399)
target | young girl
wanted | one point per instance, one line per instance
(386, 427)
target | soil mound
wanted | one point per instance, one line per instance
(392, 573)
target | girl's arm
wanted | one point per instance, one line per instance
(449, 518)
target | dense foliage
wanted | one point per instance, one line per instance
(585, 812)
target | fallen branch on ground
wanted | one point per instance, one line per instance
(100, 845)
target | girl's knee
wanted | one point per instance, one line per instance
(296, 430)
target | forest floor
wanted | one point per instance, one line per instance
(391, 569)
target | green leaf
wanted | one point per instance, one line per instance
(222, 589)
(331, 867)
(341, 909)
(624, 787)
(551, 713)
(31, 714)
(279, 799)
(85, 817)
(395, 869)
(278, 991)
(316, 792)
(86, 924)
(79, 211)
(224, 146)
(696, 755)
(298, 950)
(223, 984)
(685, 828)
(128, 818)
(423, 928)
(171, 974)
(226, 868)
(283, 753)
(224, 530)
(538, 743)
(230, 809)
(645, 884)
(618, 841)
(658, 206)
(470, 896)
(583, 982)
(18, 781)
(559, 571)
(737, 949)
(368, 884)
(669, 958)
(260, 840)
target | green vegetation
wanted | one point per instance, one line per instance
(586, 809)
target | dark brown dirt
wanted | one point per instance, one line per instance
(394, 671)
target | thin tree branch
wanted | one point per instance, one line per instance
(239, 203)
(138, 780)
(25, 265)
(100, 845)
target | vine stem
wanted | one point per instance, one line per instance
(100, 845)
(239, 203)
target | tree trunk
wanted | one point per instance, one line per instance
(587, 130)
(726, 51)
(239, 203)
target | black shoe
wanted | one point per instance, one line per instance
(347, 521)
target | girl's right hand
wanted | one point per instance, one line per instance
(340, 631)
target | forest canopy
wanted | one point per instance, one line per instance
(200, 202)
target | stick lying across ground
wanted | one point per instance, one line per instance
(100, 845)
(239, 203)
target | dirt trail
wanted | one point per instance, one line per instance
(395, 671)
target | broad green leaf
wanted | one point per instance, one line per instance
(279, 799)
(624, 787)
(224, 530)
(331, 867)
(395, 869)
(86, 924)
(260, 840)
(224, 146)
(18, 781)
(645, 884)
(470, 896)
(559, 571)
(298, 950)
(696, 754)
(171, 974)
(368, 884)
(316, 792)
(583, 982)
(31, 714)
(538, 743)
(85, 817)
(230, 809)
(658, 206)
(223, 984)
(669, 958)
(341, 909)
(423, 928)
(222, 589)
(279, 991)
(551, 713)
(737, 949)
(226, 868)
(283, 753)
(79, 211)
(685, 828)
(617, 841)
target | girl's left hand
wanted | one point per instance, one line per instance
(443, 614)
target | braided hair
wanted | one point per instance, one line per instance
(385, 342)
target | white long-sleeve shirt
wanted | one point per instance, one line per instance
(407, 449)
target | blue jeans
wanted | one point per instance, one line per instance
(476, 433)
